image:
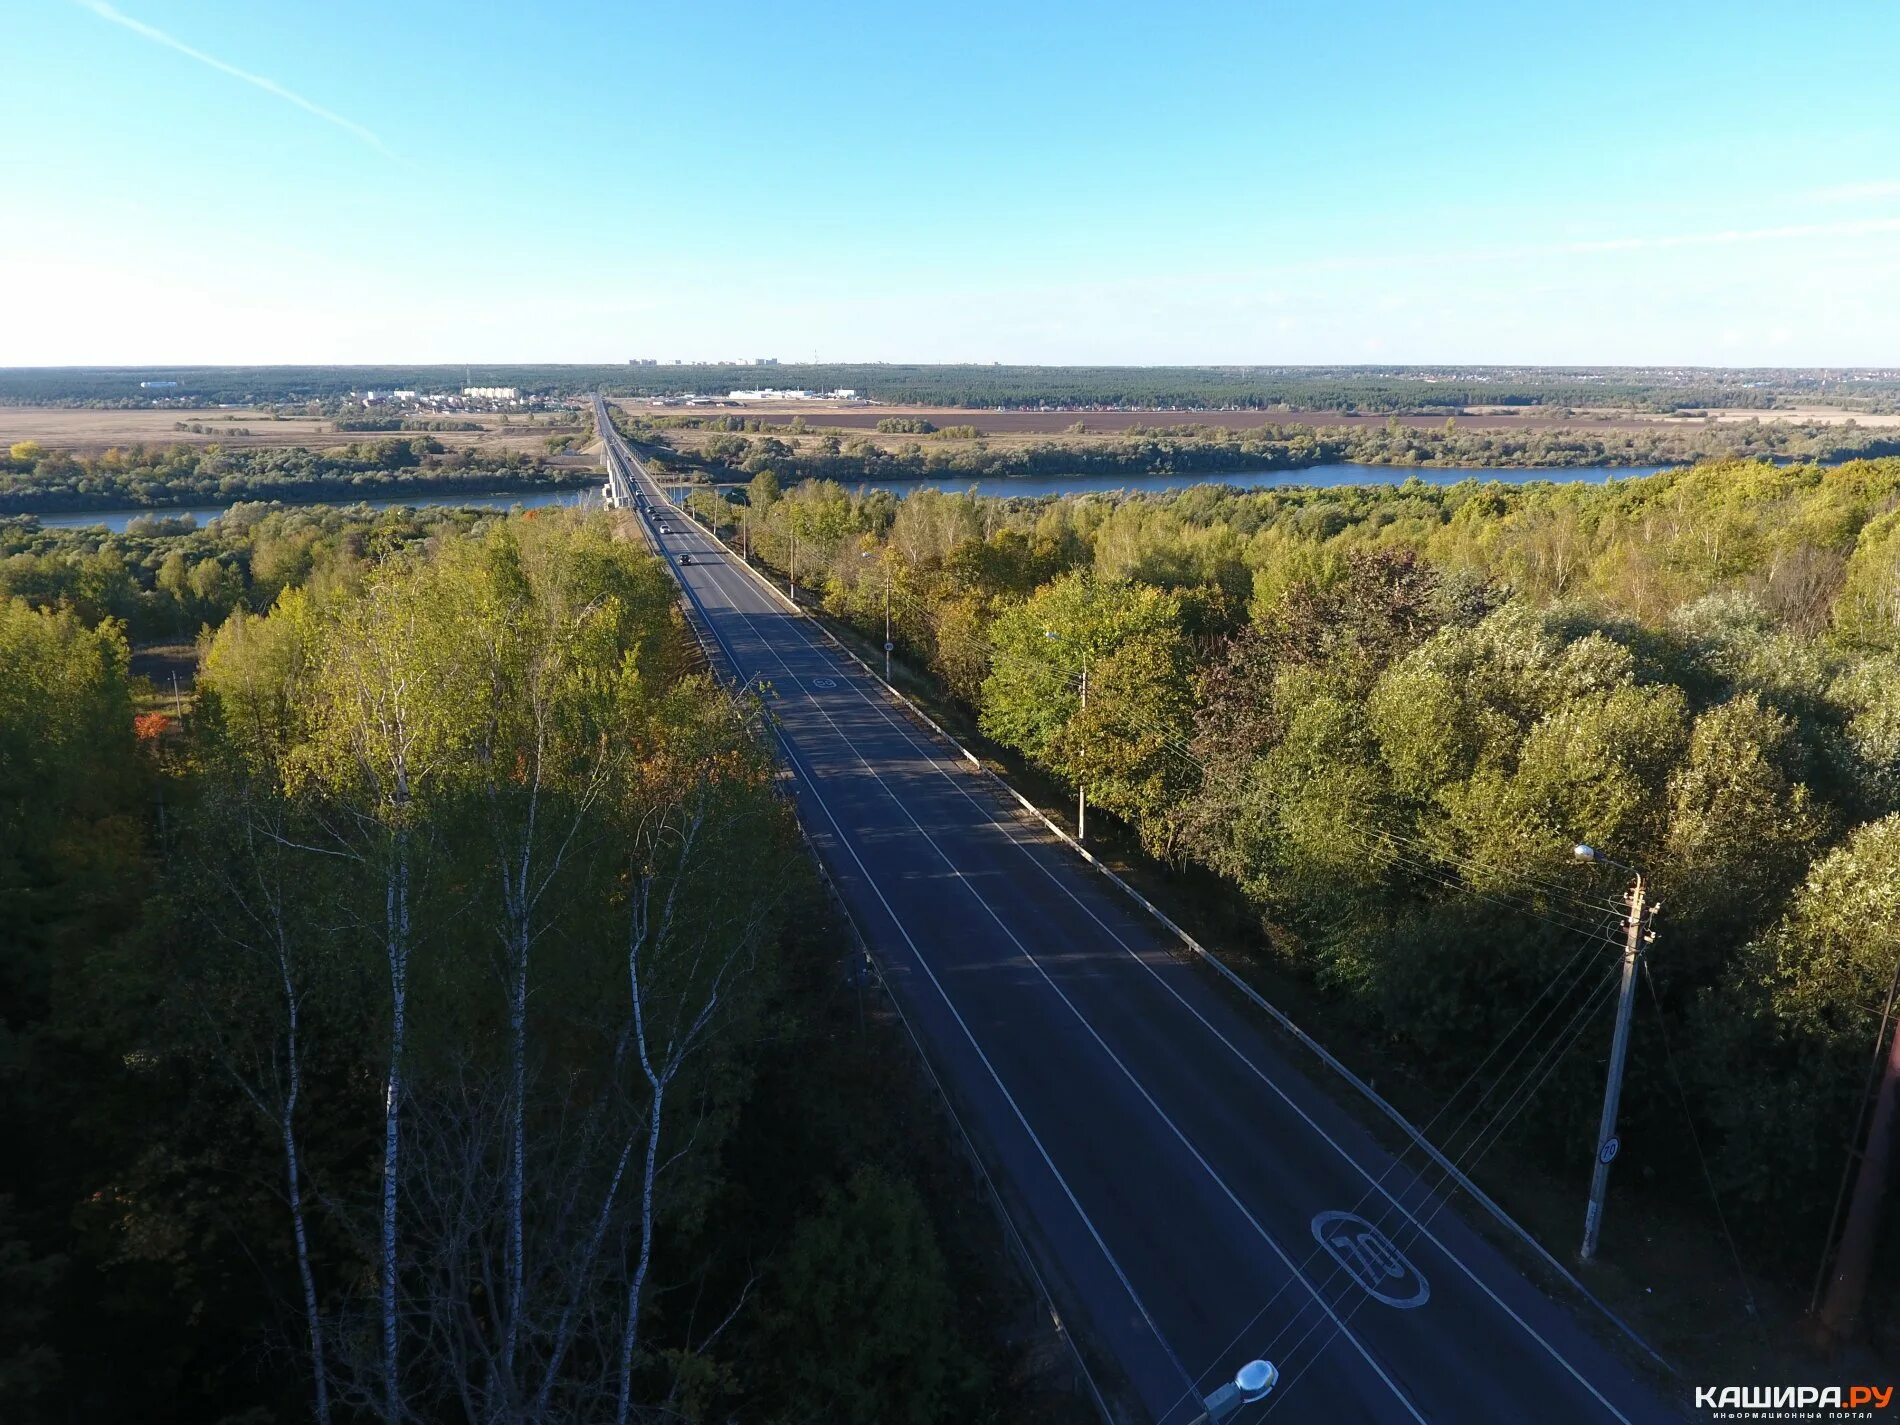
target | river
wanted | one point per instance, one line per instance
(1312, 475)
(117, 520)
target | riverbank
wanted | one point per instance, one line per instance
(1340, 473)
(731, 446)
(118, 521)
(1028, 486)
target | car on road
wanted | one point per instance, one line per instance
(686, 559)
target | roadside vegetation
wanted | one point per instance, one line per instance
(438, 1017)
(1381, 716)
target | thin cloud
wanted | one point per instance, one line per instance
(1862, 227)
(1656, 242)
(269, 86)
(1856, 192)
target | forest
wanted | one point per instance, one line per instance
(1342, 388)
(435, 1015)
(34, 480)
(733, 446)
(357, 993)
(1377, 719)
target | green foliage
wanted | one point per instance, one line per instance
(167, 579)
(1867, 613)
(74, 792)
(1090, 679)
(34, 481)
(1384, 715)
(481, 743)
(1351, 388)
(67, 770)
(1553, 535)
(861, 1338)
(1785, 1036)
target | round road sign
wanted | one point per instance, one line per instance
(1607, 1153)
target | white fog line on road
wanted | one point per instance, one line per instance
(1214, 1176)
(950, 773)
(1431, 1150)
(811, 785)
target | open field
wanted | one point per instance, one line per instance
(842, 441)
(1803, 415)
(88, 431)
(1375, 389)
(821, 415)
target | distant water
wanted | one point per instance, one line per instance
(1312, 475)
(117, 520)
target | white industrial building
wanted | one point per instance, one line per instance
(774, 393)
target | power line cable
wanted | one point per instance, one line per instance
(1581, 1023)
(1514, 1104)
(1395, 1203)
(1695, 1139)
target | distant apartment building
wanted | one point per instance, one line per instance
(493, 393)
(158, 385)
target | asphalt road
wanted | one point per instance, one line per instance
(1194, 1200)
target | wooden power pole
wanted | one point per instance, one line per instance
(1854, 1262)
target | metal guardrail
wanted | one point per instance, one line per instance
(1229, 975)
(1018, 1243)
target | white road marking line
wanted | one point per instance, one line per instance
(1339, 1324)
(1377, 1184)
(811, 785)
(920, 744)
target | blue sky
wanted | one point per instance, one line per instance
(201, 180)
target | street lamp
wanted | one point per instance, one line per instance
(1081, 788)
(1254, 1382)
(1637, 936)
(867, 554)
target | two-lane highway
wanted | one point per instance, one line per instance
(1194, 1200)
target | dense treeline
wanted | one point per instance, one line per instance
(34, 480)
(1384, 715)
(442, 1021)
(164, 579)
(795, 454)
(1360, 388)
(398, 423)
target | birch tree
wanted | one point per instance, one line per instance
(479, 801)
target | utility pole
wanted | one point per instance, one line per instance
(1081, 783)
(794, 579)
(1636, 937)
(887, 622)
(1853, 1264)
